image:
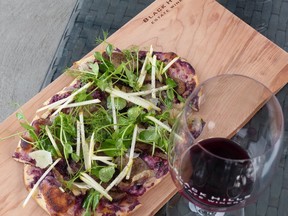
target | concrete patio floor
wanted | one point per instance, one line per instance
(30, 32)
(38, 39)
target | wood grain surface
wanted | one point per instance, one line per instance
(212, 39)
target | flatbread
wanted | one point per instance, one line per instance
(57, 200)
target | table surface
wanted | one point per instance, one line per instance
(213, 37)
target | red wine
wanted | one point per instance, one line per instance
(216, 172)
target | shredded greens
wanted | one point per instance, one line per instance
(138, 96)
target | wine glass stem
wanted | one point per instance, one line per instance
(203, 212)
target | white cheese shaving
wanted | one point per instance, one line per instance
(39, 181)
(151, 50)
(161, 124)
(78, 127)
(108, 162)
(96, 157)
(131, 155)
(104, 159)
(83, 141)
(81, 185)
(143, 73)
(43, 158)
(134, 99)
(147, 92)
(114, 112)
(91, 151)
(52, 105)
(153, 77)
(90, 181)
(83, 103)
(71, 97)
(61, 189)
(169, 64)
(53, 142)
(120, 177)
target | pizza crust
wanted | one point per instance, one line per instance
(30, 176)
(28, 182)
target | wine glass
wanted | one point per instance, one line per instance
(225, 145)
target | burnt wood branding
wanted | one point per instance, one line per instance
(161, 11)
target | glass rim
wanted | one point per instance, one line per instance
(272, 96)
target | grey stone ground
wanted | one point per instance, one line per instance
(30, 32)
(267, 16)
(91, 18)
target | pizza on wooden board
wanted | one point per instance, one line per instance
(101, 142)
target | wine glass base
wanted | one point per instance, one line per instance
(198, 210)
(180, 206)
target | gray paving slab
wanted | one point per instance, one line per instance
(250, 210)
(283, 206)
(276, 188)
(88, 23)
(30, 32)
(39, 39)
(271, 211)
(262, 203)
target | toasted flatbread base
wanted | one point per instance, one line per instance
(29, 176)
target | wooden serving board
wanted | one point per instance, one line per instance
(211, 38)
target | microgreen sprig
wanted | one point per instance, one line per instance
(138, 97)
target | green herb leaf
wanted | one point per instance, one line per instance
(95, 171)
(134, 112)
(83, 96)
(98, 56)
(109, 148)
(149, 135)
(170, 94)
(130, 76)
(168, 103)
(26, 126)
(102, 84)
(171, 83)
(122, 120)
(68, 148)
(95, 68)
(180, 98)
(109, 49)
(120, 103)
(20, 116)
(91, 201)
(75, 157)
(106, 173)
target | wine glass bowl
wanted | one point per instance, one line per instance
(226, 143)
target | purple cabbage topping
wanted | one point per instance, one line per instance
(58, 97)
(158, 164)
(108, 208)
(98, 94)
(78, 84)
(181, 71)
(135, 189)
(36, 173)
(39, 123)
(78, 209)
(23, 157)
